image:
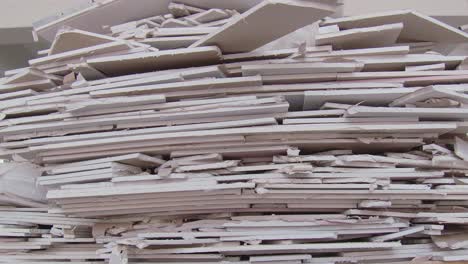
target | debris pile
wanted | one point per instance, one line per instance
(175, 139)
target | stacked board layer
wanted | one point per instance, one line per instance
(179, 139)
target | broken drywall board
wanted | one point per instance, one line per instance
(162, 148)
(373, 62)
(159, 60)
(300, 68)
(370, 97)
(30, 75)
(181, 32)
(301, 37)
(369, 37)
(19, 178)
(250, 81)
(186, 122)
(450, 241)
(13, 95)
(328, 29)
(461, 148)
(143, 120)
(74, 170)
(431, 92)
(430, 67)
(10, 73)
(181, 10)
(419, 47)
(158, 78)
(252, 29)
(210, 15)
(125, 27)
(137, 159)
(175, 23)
(217, 23)
(299, 78)
(349, 120)
(224, 123)
(398, 235)
(91, 105)
(418, 27)
(227, 149)
(422, 113)
(397, 50)
(273, 54)
(433, 80)
(165, 43)
(327, 86)
(83, 52)
(169, 76)
(93, 17)
(131, 77)
(213, 125)
(39, 85)
(240, 101)
(83, 146)
(73, 39)
(87, 72)
(387, 76)
(400, 62)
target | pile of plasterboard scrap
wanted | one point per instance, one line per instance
(28, 233)
(353, 150)
(32, 235)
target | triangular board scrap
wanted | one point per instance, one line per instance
(29, 79)
(73, 39)
(30, 75)
(418, 27)
(254, 28)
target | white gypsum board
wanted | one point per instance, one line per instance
(379, 36)
(396, 50)
(73, 39)
(278, 129)
(252, 29)
(29, 75)
(162, 116)
(300, 68)
(429, 67)
(157, 60)
(273, 54)
(212, 125)
(18, 94)
(180, 86)
(167, 43)
(445, 114)
(451, 92)
(370, 97)
(110, 47)
(418, 27)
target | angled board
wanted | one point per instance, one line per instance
(253, 28)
